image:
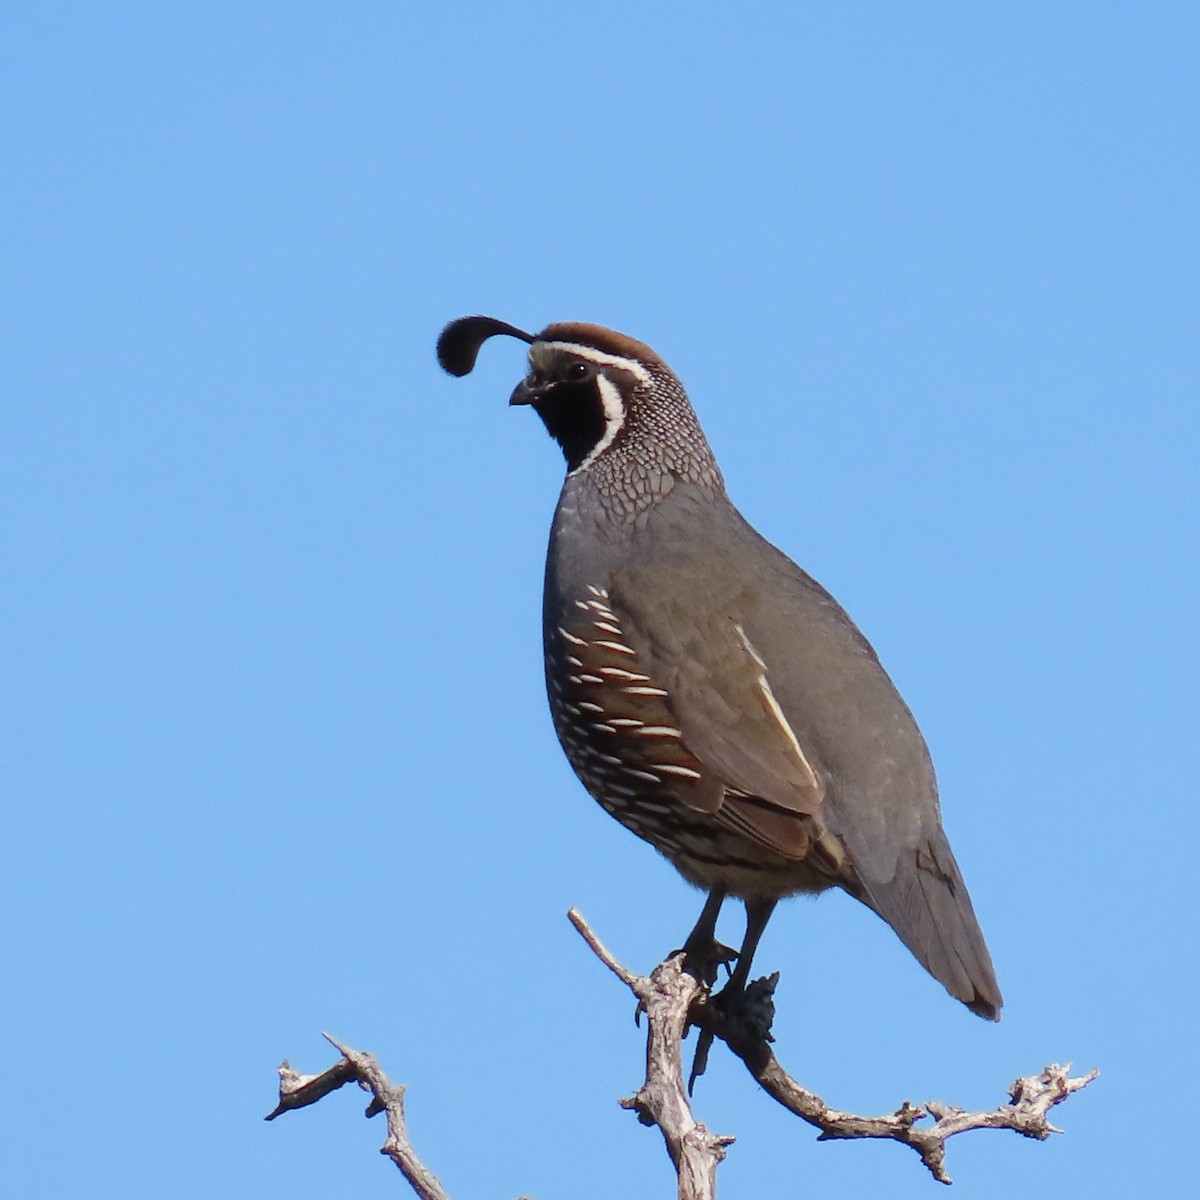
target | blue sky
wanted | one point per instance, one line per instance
(277, 757)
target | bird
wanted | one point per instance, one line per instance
(708, 693)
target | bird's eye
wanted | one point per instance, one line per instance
(578, 371)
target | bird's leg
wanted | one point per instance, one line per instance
(758, 913)
(704, 953)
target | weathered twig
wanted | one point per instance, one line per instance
(673, 1000)
(667, 997)
(299, 1091)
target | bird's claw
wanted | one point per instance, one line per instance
(705, 960)
(725, 1003)
(699, 1059)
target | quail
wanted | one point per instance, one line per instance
(714, 698)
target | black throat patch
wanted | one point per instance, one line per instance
(574, 416)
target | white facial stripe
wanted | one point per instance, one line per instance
(601, 359)
(614, 418)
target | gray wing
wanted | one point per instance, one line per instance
(777, 692)
(719, 688)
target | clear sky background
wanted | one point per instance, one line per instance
(276, 752)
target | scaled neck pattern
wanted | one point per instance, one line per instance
(657, 447)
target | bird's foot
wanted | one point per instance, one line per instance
(751, 1007)
(700, 1059)
(724, 1005)
(705, 958)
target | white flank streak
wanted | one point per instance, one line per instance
(641, 774)
(671, 769)
(643, 691)
(614, 418)
(619, 647)
(572, 638)
(618, 673)
(659, 731)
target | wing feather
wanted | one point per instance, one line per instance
(720, 690)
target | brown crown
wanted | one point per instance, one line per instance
(600, 338)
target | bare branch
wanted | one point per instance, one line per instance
(626, 976)
(673, 1000)
(299, 1091)
(680, 1000)
(667, 997)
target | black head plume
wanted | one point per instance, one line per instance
(458, 346)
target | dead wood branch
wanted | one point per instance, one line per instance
(673, 999)
(299, 1091)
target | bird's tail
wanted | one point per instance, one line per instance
(927, 904)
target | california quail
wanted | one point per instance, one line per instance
(709, 694)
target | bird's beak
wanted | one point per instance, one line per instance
(525, 393)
